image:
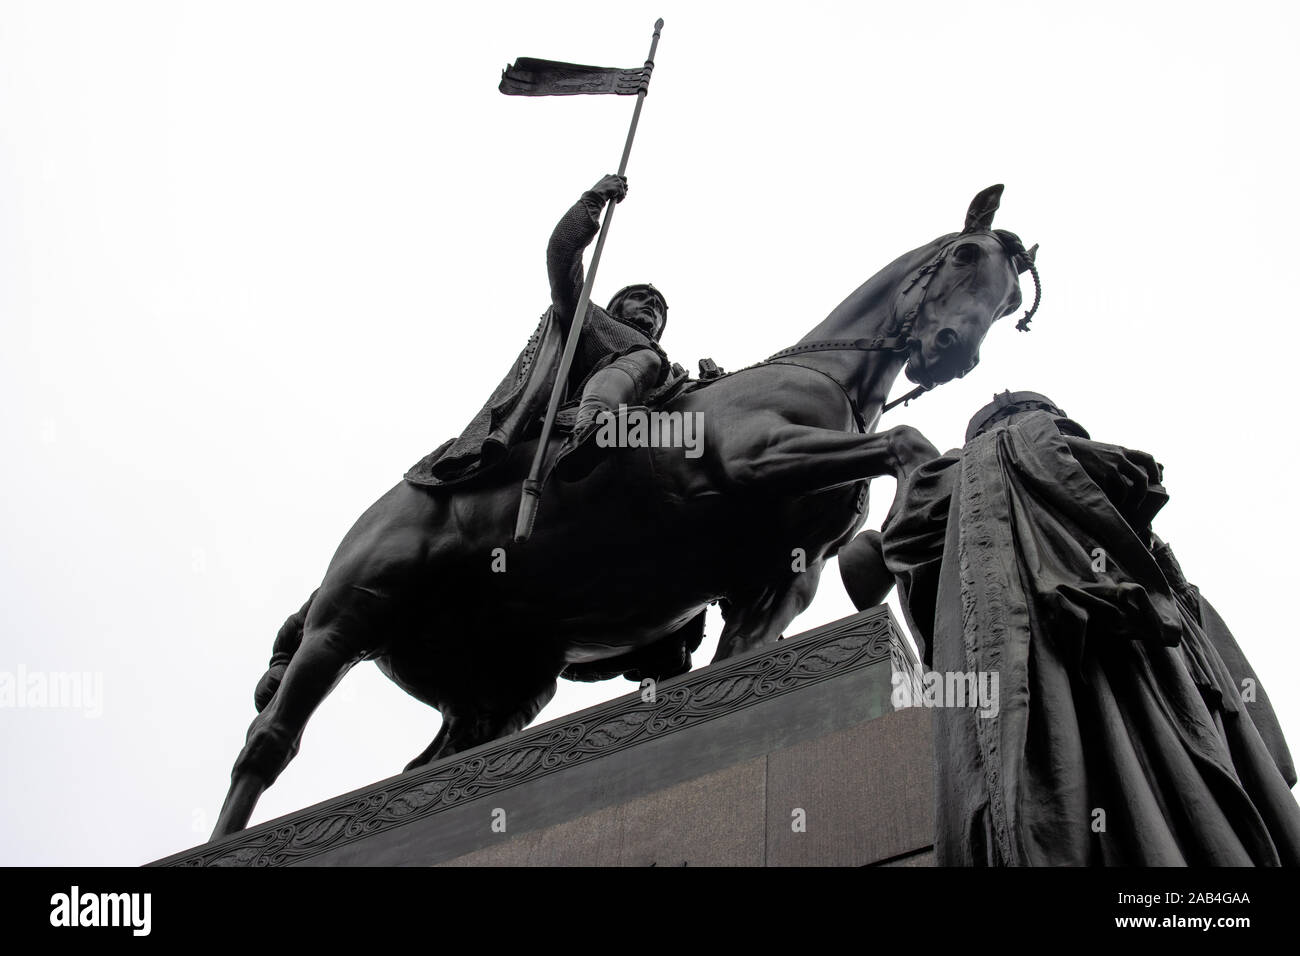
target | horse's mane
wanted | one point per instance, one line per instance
(878, 292)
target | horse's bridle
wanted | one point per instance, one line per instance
(899, 339)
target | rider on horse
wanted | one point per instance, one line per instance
(618, 360)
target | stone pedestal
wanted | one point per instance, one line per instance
(791, 755)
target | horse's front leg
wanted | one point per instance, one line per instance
(804, 459)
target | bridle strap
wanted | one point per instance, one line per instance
(881, 343)
(901, 336)
(898, 341)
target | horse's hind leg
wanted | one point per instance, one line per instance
(761, 617)
(287, 642)
(434, 750)
(465, 728)
(319, 663)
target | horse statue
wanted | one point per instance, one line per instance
(430, 584)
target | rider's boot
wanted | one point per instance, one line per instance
(624, 381)
(621, 382)
(605, 391)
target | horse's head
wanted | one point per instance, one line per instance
(951, 301)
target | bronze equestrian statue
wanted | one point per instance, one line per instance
(429, 584)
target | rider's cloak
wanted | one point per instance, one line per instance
(1121, 736)
(515, 410)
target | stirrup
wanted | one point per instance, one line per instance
(579, 454)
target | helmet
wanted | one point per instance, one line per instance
(616, 302)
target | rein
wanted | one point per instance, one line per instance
(880, 343)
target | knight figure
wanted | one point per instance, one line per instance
(618, 361)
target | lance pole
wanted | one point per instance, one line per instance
(533, 483)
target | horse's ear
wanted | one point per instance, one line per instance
(1025, 258)
(982, 207)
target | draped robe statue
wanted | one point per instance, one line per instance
(1121, 736)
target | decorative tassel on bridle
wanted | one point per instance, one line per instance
(1023, 324)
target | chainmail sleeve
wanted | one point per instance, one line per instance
(572, 235)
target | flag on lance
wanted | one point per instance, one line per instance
(528, 76)
(531, 77)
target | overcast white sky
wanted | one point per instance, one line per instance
(258, 258)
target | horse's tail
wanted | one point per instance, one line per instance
(286, 643)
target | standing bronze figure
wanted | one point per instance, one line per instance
(1128, 728)
(430, 585)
